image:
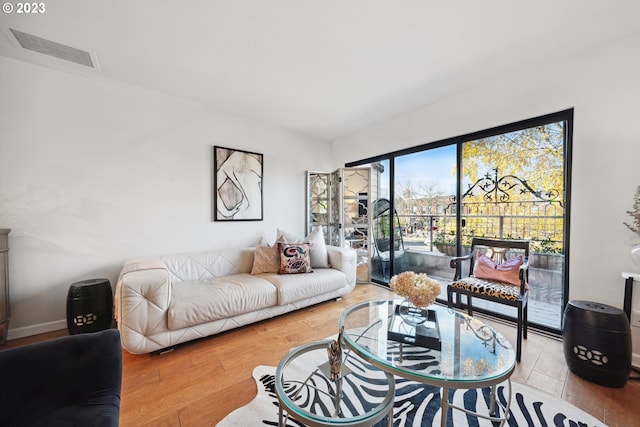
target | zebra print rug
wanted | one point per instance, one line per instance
(418, 405)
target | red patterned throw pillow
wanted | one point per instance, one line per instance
(294, 258)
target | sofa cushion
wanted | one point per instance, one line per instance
(194, 303)
(295, 287)
(294, 258)
(191, 267)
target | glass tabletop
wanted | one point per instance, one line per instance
(361, 396)
(465, 353)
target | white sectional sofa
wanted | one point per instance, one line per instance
(164, 301)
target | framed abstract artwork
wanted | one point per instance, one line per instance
(237, 185)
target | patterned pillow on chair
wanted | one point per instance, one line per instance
(508, 271)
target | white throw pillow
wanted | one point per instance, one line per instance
(286, 237)
(263, 242)
(319, 256)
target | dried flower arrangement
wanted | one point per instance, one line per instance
(635, 213)
(420, 289)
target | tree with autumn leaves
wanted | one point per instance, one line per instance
(513, 187)
(520, 176)
(533, 154)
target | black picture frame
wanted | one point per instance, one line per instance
(237, 185)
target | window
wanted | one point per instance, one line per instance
(512, 181)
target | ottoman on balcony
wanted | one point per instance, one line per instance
(597, 342)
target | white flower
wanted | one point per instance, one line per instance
(420, 289)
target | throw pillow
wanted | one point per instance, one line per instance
(286, 237)
(294, 258)
(266, 259)
(508, 271)
(319, 256)
(263, 242)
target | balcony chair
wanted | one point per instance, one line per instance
(498, 272)
(382, 239)
(73, 381)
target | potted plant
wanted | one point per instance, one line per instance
(445, 243)
(546, 254)
(634, 241)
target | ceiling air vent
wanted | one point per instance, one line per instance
(38, 44)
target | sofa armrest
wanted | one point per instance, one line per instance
(344, 259)
(142, 298)
(73, 380)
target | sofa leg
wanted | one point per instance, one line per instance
(166, 350)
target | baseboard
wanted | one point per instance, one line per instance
(41, 328)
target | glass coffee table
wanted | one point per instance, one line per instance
(471, 354)
(362, 395)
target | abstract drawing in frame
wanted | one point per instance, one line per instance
(237, 185)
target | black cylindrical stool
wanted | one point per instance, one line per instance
(597, 342)
(89, 306)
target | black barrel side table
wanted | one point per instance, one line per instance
(597, 342)
(89, 306)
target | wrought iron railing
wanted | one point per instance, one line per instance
(542, 224)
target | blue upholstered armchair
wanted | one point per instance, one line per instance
(69, 381)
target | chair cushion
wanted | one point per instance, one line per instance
(477, 286)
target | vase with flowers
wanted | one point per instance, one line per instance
(634, 226)
(419, 291)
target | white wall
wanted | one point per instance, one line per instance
(603, 85)
(93, 173)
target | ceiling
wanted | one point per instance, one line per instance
(323, 68)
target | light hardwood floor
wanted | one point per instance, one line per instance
(199, 382)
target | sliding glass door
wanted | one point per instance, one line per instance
(424, 199)
(513, 188)
(509, 182)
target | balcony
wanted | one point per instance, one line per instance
(422, 249)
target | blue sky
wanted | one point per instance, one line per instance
(424, 168)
